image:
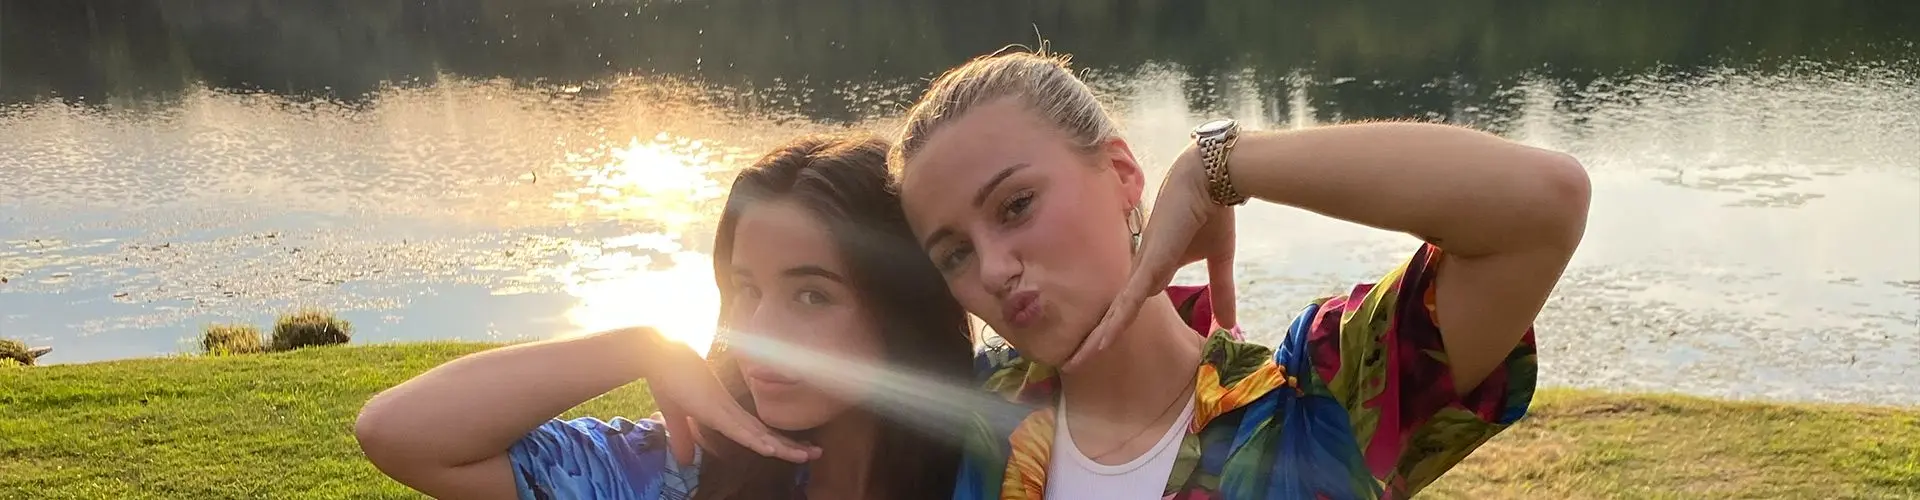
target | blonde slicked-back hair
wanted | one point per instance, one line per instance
(1042, 81)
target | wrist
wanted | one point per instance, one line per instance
(1213, 143)
(1190, 168)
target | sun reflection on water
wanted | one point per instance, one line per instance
(648, 278)
(623, 289)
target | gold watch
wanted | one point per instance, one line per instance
(1215, 139)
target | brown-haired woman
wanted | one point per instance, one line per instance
(811, 252)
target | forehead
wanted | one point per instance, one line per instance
(773, 236)
(959, 158)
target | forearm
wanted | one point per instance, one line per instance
(476, 407)
(1507, 216)
(1471, 193)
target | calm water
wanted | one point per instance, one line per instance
(525, 169)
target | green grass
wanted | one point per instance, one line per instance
(276, 425)
(1596, 445)
(279, 426)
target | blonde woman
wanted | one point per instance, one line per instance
(1022, 192)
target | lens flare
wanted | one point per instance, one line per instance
(951, 410)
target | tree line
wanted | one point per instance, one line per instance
(100, 50)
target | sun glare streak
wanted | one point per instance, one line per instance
(947, 409)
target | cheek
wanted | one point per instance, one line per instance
(853, 340)
(849, 340)
(1073, 232)
(1082, 252)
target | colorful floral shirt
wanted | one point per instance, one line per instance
(1356, 402)
(587, 458)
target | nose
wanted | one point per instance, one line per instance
(759, 318)
(1000, 266)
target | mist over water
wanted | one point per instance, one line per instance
(519, 170)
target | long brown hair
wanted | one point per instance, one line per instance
(843, 182)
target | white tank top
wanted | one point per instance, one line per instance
(1073, 476)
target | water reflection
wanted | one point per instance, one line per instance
(1756, 214)
(648, 278)
(621, 289)
(666, 180)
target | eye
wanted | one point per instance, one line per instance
(1016, 206)
(746, 291)
(955, 257)
(811, 298)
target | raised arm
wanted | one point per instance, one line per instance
(447, 432)
(1506, 216)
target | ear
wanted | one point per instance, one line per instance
(1118, 158)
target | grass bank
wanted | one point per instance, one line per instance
(278, 426)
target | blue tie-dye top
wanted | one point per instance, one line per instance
(588, 458)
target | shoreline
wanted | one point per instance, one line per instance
(1547, 383)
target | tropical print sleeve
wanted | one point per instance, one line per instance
(1379, 350)
(589, 458)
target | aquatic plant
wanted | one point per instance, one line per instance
(310, 327)
(14, 353)
(231, 339)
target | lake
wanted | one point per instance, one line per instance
(503, 170)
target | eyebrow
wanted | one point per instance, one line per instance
(979, 198)
(800, 271)
(804, 271)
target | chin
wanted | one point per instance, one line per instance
(787, 416)
(1050, 347)
(790, 424)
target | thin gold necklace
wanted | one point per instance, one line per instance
(1182, 396)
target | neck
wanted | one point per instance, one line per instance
(848, 444)
(1130, 383)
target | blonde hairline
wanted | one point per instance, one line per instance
(1043, 82)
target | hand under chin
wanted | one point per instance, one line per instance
(1049, 348)
(796, 413)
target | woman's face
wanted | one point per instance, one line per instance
(1029, 231)
(790, 285)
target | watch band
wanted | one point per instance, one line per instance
(1214, 146)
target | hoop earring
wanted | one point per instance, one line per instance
(1135, 222)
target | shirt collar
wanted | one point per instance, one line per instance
(1232, 374)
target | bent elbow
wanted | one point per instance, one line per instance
(379, 437)
(1567, 195)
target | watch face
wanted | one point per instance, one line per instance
(1213, 127)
